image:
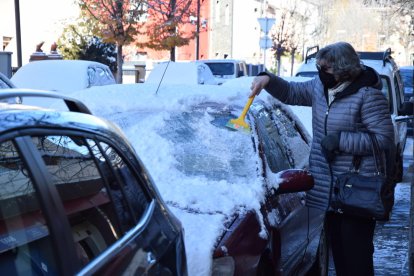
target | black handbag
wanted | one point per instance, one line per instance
(364, 196)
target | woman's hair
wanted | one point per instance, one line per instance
(343, 58)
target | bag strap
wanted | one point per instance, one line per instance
(379, 164)
(376, 152)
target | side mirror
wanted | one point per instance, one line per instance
(294, 180)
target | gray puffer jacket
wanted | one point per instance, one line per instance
(360, 108)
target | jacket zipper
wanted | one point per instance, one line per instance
(329, 165)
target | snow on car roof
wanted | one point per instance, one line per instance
(55, 75)
(181, 73)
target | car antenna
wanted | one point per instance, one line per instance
(162, 77)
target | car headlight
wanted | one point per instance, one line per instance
(223, 266)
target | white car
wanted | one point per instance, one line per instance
(62, 75)
(225, 69)
(181, 73)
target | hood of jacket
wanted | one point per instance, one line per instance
(368, 78)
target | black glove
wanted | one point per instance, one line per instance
(330, 146)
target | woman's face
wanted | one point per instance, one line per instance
(322, 65)
(326, 74)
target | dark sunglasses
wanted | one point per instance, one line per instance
(322, 68)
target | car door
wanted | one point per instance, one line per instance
(401, 125)
(95, 208)
(284, 147)
(28, 216)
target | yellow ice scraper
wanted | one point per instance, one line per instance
(240, 123)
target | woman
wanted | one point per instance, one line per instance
(347, 105)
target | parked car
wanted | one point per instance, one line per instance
(171, 72)
(63, 76)
(225, 69)
(392, 88)
(241, 198)
(76, 199)
(407, 74)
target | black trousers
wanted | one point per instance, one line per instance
(351, 241)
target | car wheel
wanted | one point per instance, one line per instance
(320, 266)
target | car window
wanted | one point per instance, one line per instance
(201, 149)
(221, 68)
(283, 145)
(101, 196)
(99, 76)
(387, 90)
(398, 89)
(407, 77)
(297, 147)
(25, 244)
(307, 74)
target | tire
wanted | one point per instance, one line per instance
(320, 266)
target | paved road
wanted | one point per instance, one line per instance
(392, 238)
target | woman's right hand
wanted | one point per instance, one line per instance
(259, 82)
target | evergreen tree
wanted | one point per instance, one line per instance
(74, 44)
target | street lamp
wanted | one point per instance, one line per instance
(18, 34)
(198, 31)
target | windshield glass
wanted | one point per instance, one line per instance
(407, 77)
(307, 74)
(203, 158)
(204, 150)
(221, 68)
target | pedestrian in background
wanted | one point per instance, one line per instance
(347, 105)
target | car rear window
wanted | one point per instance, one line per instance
(221, 68)
(202, 150)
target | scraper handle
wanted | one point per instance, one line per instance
(246, 107)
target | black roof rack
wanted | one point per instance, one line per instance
(72, 104)
(384, 56)
(314, 50)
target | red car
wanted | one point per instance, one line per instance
(241, 198)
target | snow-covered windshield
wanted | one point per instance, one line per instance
(205, 150)
(195, 160)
